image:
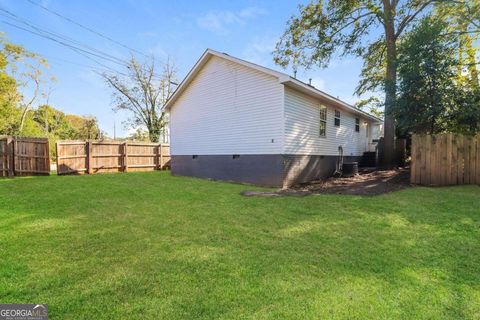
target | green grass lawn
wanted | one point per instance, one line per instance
(153, 246)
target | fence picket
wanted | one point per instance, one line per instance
(413, 166)
(466, 160)
(449, 153)
(473, 159)
(443, 160)
(433, 160)
(110, 156)
(421, 160)
(21, 156)
(446, 159)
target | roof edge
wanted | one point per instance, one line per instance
(308, 89)
(283, 78)
(202, 61)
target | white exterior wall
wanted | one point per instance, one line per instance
(302, 120)
(228, 109)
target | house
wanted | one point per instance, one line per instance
(237, 121)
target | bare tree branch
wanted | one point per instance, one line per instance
(143, 93)
(409, 18)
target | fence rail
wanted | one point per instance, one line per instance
(20, 156)
(79, 157)
(445, 159)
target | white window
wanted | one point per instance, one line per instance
(357, 125)
(337, 118)
(323, 121)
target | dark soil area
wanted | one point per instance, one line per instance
(367, 183)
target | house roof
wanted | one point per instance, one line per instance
(283, 78)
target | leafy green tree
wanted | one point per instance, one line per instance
(432, 96)
(90, 128)
(369, 29)
(427, 92)
(462, 19)
(9, 114)
(465, 116)
(139, 134)
(28, 70)
(54, 123)
(21, 71)
(85, 127)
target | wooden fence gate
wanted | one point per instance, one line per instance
(445, 159)
(78, 157)
(21, 156)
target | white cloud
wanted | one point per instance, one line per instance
(259, 50)
(158, 51)
(251, 12)
(318, 83)
(219, 21)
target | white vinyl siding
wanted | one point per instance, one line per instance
(301, 128)
(228, 109)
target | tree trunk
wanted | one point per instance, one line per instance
(390, 92)
(153, 134)
(22, 119)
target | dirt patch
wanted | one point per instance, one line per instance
(367, 183)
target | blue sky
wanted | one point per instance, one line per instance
(178, 29)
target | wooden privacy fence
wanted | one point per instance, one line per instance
(78, 157)
(20, 156)
(445, 159)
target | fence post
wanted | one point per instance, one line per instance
(47, 151)
(161, 155)
(413, 162)
(125, 157)
(89, 157)
(10, 157)
(157, 157)
(58, 156)
(14, 157)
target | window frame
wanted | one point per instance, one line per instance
(337, 117)
(322, 116)
(357, 124)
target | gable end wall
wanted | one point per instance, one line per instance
(228, 109)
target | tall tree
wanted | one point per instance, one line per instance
(55, 123)
(84, 127)
(143, 93)
(28, 70)
(462, 19)
(9, 113)
(427, 88)
(324, 28)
